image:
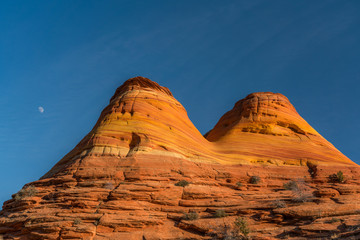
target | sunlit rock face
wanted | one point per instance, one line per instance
(122, 180)
(142, 119)
(265, 127)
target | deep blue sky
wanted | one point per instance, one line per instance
(70, 56)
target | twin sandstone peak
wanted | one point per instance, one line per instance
(143, 118)
(122, 180)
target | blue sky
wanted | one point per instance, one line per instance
(69, 57)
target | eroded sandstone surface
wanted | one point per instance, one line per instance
(145, 172)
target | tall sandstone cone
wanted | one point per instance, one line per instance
(120, 181)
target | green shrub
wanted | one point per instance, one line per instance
(182, 183)
(242, 226)
(239, 184)
(220, 213)
(338, 177)
(237, 231)
(255, 179)
(26, 192)
(190, 216)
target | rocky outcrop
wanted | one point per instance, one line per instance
(145, 172)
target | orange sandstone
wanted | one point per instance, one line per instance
(265, 127)
(119, 182)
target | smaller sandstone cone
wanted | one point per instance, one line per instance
(265, 127)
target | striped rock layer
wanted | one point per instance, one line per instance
(122, 180)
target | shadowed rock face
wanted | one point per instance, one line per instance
(119, 182)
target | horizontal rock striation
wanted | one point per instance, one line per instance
(145, 172)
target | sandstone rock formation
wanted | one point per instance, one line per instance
(265, 127)
(145, 172)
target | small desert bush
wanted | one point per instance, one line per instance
(239, 230)
(26, 192)
(279, 204)
(222, 232)
(182, 183)
(190, 216)
(220, 213)
(301, 192)
(291, 185)
(301, 195)
(255, 179)
(77, 221)
(239, 184)
(241, 225)
(334, 220)
(338, 177)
